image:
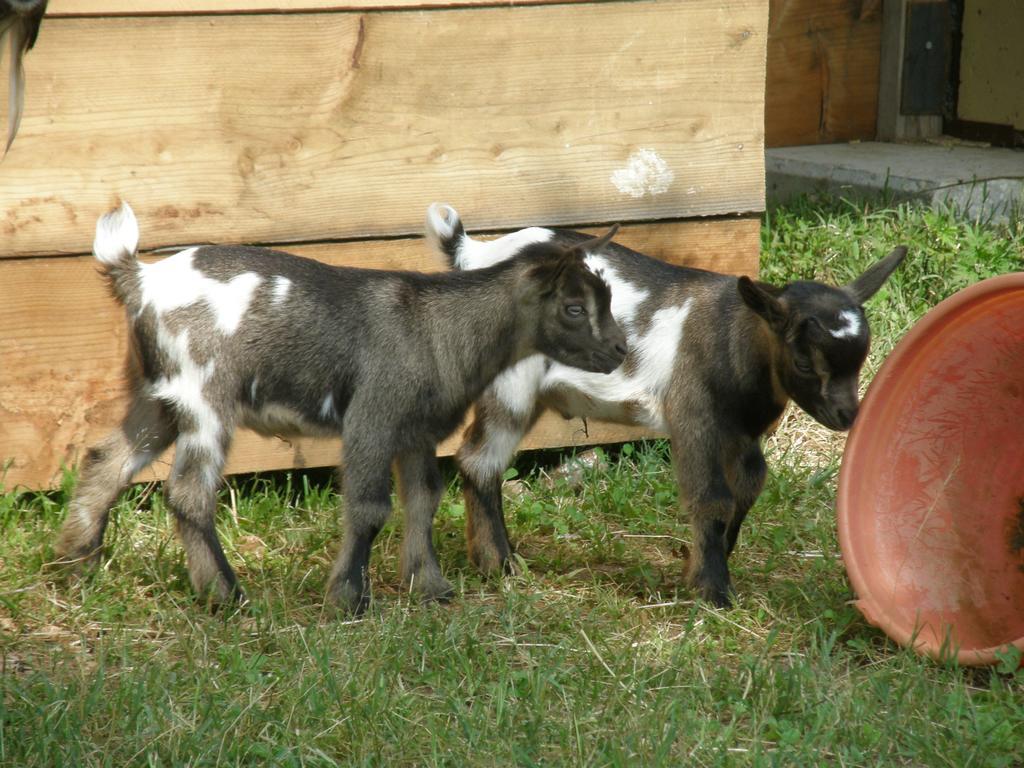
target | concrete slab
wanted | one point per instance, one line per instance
(983, 182)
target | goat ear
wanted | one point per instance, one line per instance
(596, 244)
(867, 285)
(762, 302)
(550, 271)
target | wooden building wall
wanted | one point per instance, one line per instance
(823, 68)
(327, 130)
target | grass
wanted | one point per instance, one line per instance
(595, 655)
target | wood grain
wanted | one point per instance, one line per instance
(64, 343)
(58, 8)
(309, 127)
(823, 59)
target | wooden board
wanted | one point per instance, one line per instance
(823, 59)
(308, 127)
(161, 7)
(64, 344)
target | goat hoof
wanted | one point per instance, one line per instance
(219, 596)
(718, 596)
(349, 599)
(716, 592)
(492, 560)
(432, 588)
(75, 561)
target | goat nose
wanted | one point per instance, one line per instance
(621, 348)
(847, 416)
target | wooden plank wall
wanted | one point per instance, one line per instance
(823, 58)
(330, 133)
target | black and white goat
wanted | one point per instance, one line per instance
(227, 336)
(712, 362)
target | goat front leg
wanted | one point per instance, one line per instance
(108, 468)
(420, 489)
(746, 480)
(366, 491)
(488, 448)
(192, 497)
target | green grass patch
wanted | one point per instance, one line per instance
(596, 654)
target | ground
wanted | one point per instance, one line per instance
(596, 654)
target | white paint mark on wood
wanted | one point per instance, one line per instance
(646, 173)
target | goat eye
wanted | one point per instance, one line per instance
(803, 366)
(575, 310)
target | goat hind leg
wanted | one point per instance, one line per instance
(420, 489)
(192, 497)
(107, 469)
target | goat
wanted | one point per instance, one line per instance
(712, 362)
(227, 336)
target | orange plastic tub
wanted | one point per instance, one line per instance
(931, 489)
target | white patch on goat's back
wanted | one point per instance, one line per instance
(230, 300)
(281, 287)
(646, 173)
(849, 325)
(626, 297)
(652, 356)
(476, 254)
(173, 283)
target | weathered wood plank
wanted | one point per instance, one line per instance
(58, 8)
(823, 58)
(64, 343)
(307, 127)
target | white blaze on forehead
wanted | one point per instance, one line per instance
(281, 287)
(849, 325)
(626, 297)
(645, 174)
(476, 254)
(174, 283)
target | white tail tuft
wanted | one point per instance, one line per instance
(117, 235)
(444, 229)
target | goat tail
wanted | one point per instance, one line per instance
(116, 247)
(445, 232)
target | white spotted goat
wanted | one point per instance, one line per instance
(228, 336)
(712, 362)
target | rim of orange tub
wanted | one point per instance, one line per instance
(952, 609)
